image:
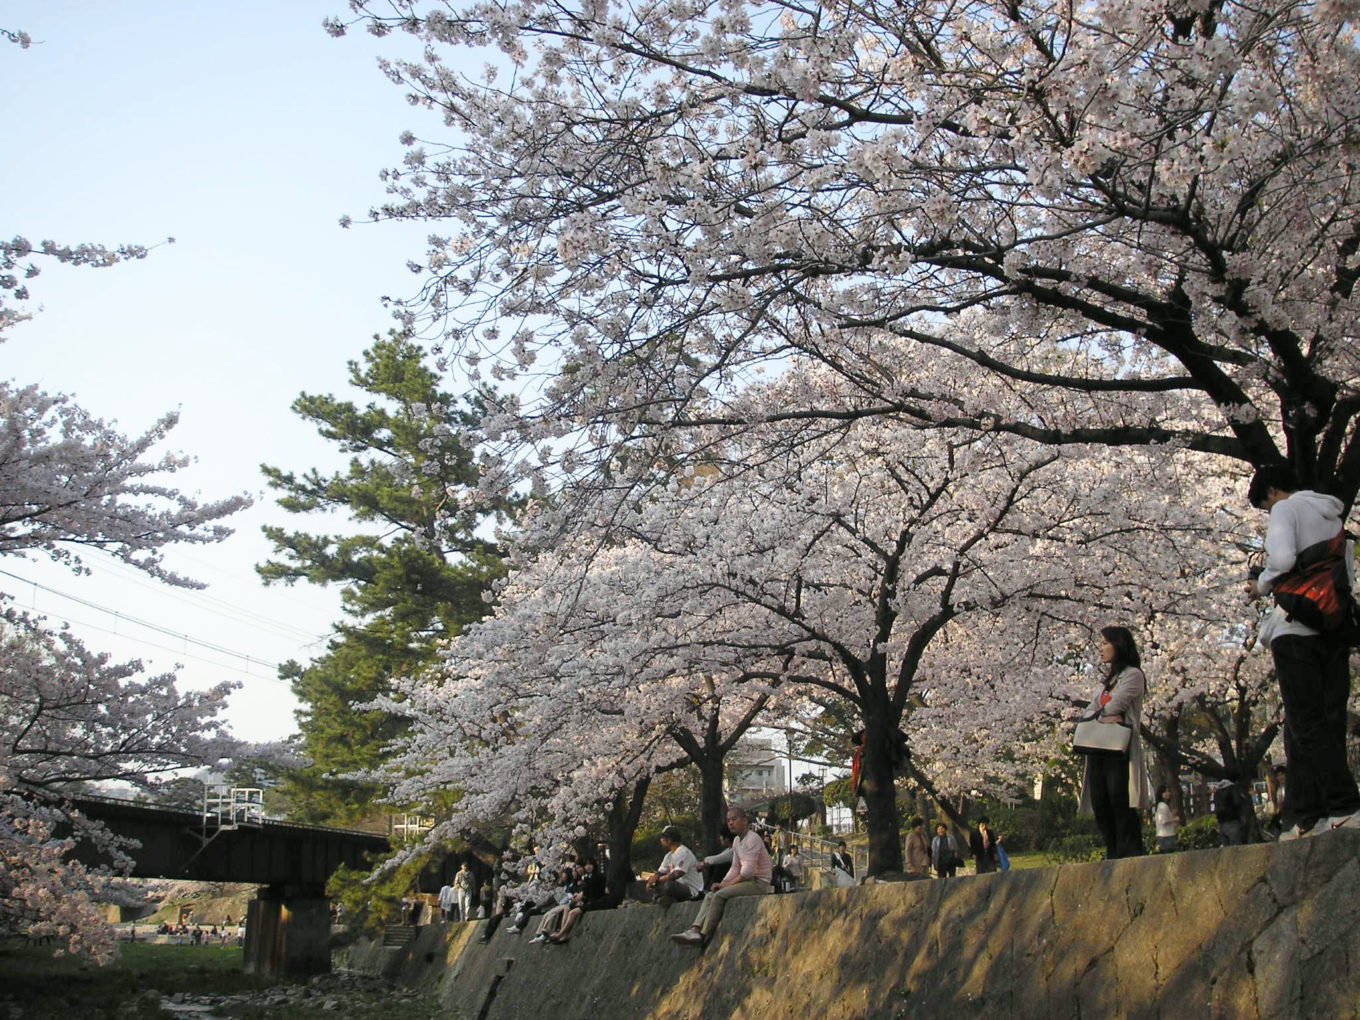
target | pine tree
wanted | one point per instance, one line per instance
(413, 573)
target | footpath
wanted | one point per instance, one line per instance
(1247, 933)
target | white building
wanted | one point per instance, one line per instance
(756, 770)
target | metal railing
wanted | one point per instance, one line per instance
(230, 807)
(816, 852)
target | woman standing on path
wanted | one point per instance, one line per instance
(982, 844)
(918, 849)
(1166, 822)
(1114, 788)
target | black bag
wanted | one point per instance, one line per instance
(1317, 592)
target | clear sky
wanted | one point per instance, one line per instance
(244, 131)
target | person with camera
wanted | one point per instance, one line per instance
(1311, 666)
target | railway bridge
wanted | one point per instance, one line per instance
(230, 840)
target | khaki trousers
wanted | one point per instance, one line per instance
(711, 911)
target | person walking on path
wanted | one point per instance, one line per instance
(750, 875)
(1114, 787)
(982, 844)
(466, 886)
(944, 853)
(1312, 668)
(842, 866)
(917, 849)
(447, 902)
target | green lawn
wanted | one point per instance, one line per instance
(1033, 859)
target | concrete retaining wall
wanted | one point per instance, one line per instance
(1248, 932)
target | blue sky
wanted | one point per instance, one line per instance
(245, 132)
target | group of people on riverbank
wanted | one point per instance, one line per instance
(1312, 668)
(194, 934)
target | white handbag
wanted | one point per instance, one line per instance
(1094, 737)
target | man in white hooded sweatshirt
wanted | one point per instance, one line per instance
(1313, 669)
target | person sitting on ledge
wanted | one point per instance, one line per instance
(538, 903)
(715, 866)
(567, 895)
(592, 896)
(749, 875)
(678, 878)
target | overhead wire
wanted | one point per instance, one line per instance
(200, 599)
(272, 676)
(186, 639)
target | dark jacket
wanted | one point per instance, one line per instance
(986, 857)
(844, 861)
(943, 851)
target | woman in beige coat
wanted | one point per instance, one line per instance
(1115, 788)
(918, 849)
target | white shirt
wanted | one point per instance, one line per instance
(1296, 522)
(1166, 823)
(682, 858)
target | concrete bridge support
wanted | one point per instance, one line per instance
(288, 931)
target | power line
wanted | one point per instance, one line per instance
(179, 652)
(201, 600)
(187, 639)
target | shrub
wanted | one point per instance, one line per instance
(647, 850)
(1199, 834)
(1075, 849)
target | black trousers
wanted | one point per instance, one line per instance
(1108, 775)
(1315, 682)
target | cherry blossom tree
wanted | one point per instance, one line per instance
(1124, 233)
(1214, 711)
(1140, 215)
(707, 732)
(69, 481)
(551, 716)
(69, 716)
(933, 580)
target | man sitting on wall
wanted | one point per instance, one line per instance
(678, 878)
(749, 875)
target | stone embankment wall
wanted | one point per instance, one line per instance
(1247, 932)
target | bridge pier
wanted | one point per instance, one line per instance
(288, 931)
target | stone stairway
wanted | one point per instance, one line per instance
(398, 936)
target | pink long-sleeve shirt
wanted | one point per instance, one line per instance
(750, 860)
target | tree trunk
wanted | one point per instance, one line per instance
(623, 823)
(712, 809)
(880, 796)
(1169, 767)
